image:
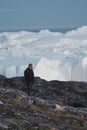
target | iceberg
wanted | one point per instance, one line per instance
(54, 55)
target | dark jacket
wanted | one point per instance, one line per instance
(29, 75)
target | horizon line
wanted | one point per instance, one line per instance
(36, 27)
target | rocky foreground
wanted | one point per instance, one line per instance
(51, 105)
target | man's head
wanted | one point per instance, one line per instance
(30, 66)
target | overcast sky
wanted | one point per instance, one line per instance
(42, 13)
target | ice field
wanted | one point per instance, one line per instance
(54, 55)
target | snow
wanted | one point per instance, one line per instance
(54, 55)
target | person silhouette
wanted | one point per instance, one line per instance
(29, 77)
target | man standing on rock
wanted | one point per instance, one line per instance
(29, 77)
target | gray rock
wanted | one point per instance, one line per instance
(53, 105)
